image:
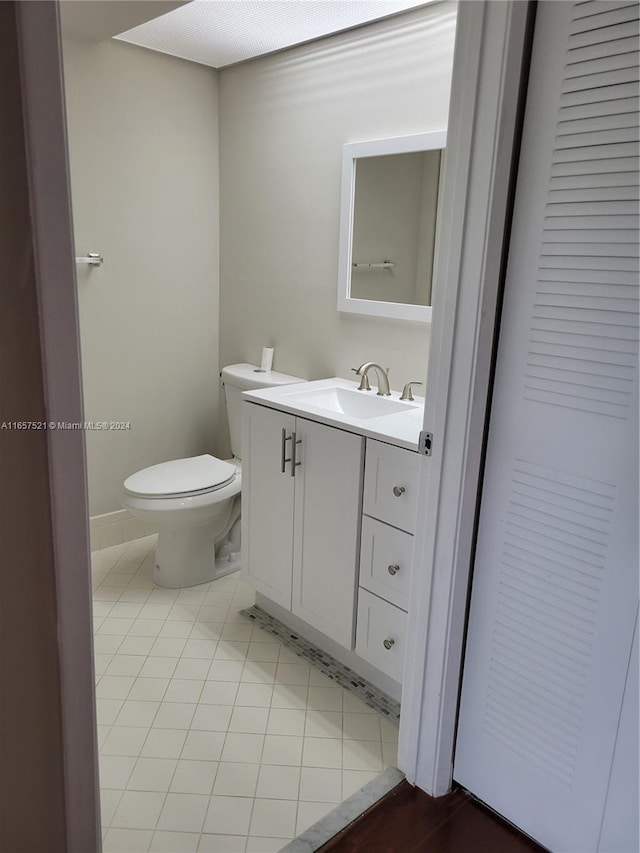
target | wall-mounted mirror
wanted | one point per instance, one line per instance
(388, 220)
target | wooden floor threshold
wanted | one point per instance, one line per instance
(407, 820)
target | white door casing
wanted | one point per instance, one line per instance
(555, 590)
(489, 63)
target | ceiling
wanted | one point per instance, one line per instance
(96, 20)
(222, 32)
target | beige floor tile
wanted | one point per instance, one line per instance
(214, 735)
(220, 693)
(174, 715)
(194, 777)
(321, 785)
(228, 815)
(274, 818)
(322, 752)
(246, 748)
(115, 771)
(123, 740)
(280, 783)
(362, 755)
(323, 724)
(137, 713)
(164, 743)
(174, 842)
(184, 690)
(353, 780)
(138, 810)
(310, 813)
(212, 718)
(361, 726)
(283, 750)
(127, 841)
(203, 746)
(286, 721)
(258, 844)
(236, 780)
(183, 812)
(251, 720)
(255, 695)
(213, 843)
(325, 698)
(109, 800)
(152, 774)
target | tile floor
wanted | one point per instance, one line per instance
(213, 735)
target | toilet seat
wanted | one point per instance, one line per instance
(196, 475)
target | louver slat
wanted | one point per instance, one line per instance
(598, 295)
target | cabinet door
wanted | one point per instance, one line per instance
(267, 503)
(327, 528)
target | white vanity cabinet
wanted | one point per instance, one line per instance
(301, 517)
(390, 494)
(329, 502)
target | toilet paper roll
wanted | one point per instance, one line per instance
(267, 358)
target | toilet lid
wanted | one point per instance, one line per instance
(194, 475)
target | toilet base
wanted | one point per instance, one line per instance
(186, 557)
(226, 565)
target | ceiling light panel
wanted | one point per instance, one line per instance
(221, 32)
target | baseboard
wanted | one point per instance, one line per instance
(114, 528)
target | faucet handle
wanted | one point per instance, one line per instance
(406, 391)
(364, 381)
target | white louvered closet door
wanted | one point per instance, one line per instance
(555, 586)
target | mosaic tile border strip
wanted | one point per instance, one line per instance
(328, 665)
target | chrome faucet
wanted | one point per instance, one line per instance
(383, 378)
(406, 391)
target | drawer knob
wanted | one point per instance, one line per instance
(388, 643)
(398, 491)
(393, 569)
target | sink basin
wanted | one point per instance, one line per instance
(349, 402)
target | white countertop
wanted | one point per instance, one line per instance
(400, 428)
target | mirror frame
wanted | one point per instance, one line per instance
(351, 152)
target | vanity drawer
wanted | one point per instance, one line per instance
(378, 623)
(391, 484)
(385, 561)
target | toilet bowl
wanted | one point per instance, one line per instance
(195, 502)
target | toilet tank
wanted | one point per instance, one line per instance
(247, 377)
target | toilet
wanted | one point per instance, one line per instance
(195, 502)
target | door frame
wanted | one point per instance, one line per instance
(491, 63)
(43, 105)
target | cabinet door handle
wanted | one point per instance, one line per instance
(398, 491)
(283, 450)
(388, 643)
(294, 453)
(393, 569)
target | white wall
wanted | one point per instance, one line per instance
(283, 121)
(143, 139)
